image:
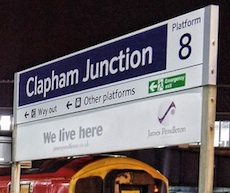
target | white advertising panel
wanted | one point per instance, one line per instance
(162, 121)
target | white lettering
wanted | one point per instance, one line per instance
(28, 91)
(36, 86)
(118, 63)
(123, 61)
(135, 59)
(111, 68)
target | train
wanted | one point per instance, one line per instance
(89, 174)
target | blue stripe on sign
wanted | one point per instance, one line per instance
(126, 58)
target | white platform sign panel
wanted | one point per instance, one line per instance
(137, 91)
(116, 71)
(169, 120)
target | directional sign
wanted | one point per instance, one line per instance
(122, 92)
(134, 66)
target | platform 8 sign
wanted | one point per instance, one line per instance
(117, 71)
(162, 60)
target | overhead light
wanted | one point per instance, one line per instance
(5, 123)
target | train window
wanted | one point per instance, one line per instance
(132, 181)
(93, 184)
(25, 188)
(132, 189)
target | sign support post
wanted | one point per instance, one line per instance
(15, 179)
(206, 168)
(16, 167)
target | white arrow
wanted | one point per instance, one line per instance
(153, 86)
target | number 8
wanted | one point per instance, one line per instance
(185, 45)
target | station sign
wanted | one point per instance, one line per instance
(124, 69)
(141, 90)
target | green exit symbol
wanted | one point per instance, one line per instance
(167, 83)
(156, 85)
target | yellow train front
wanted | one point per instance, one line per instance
(118, 175)
(90, 175)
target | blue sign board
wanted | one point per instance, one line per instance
(126, 58)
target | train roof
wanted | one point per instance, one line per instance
(58, 166)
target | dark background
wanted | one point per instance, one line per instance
(34, 32)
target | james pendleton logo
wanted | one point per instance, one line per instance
(166, 112)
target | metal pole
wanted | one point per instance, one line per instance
(15, 178)
(229, 134)
(206, 168)
(207, 140)
(16, 167)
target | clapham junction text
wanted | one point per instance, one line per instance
(117, 64)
